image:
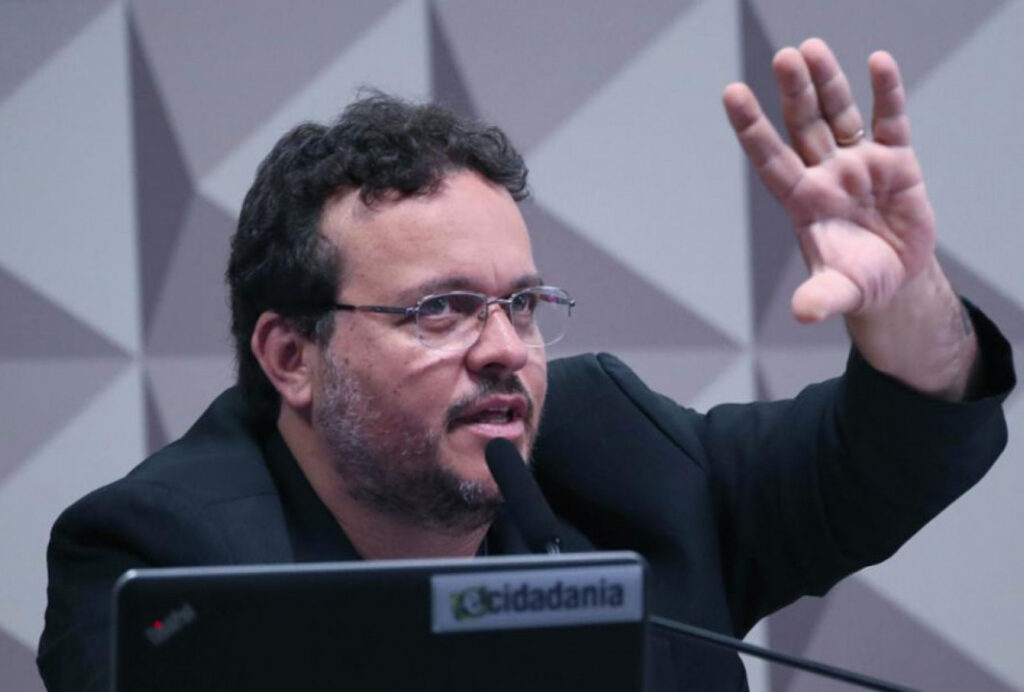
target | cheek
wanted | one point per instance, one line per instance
(390, 358)
(535, 377)
(425, 382)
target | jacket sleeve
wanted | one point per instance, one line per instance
(125, 525)
(810, 490)
(746, 508)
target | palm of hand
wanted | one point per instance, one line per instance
(864, 226)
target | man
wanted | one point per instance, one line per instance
(390, 319)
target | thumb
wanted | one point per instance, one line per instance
(826, 292)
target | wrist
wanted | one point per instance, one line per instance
(922, 337)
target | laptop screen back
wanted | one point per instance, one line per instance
(506, 623)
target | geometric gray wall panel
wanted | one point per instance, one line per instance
(52, 25)
(130, 129)
(190, 310)
(162, 183)
(539, 87)
(225, 66)
(901, 649)
(17, 662)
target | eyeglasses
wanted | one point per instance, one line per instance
(453, 321)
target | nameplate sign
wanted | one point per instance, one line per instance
(518, 599)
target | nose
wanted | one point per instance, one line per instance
(498, 349)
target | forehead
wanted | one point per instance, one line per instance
(469, 231)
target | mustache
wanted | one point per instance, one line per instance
(508, 385)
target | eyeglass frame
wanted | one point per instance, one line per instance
(413, 311)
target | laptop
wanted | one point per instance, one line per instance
(499, 623)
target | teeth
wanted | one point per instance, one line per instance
(500, 415)
(493, 415)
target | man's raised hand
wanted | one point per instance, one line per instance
(861, 217)
(858, 206)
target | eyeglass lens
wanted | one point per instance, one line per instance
(454, 320)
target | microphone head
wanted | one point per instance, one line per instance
(523, 497)
(504, 461)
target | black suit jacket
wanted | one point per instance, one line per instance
(738, 511)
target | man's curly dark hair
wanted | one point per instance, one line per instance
(380, 146)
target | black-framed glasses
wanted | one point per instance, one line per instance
(454, 320)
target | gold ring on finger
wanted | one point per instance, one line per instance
(852, 139)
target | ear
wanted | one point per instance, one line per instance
(284, 353)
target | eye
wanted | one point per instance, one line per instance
(450, 305)
(435, 306)
(525, 302)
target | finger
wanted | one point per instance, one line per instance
(825, 293)
(778, 165)
(889, 122)
(808, 130)
(835, 99)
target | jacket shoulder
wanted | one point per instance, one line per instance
(220, 457)
(606, 440)
(208, 497)
(593, 391)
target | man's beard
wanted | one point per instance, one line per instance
(392, 463)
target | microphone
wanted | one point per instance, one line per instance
(525, 502)
(532, 514)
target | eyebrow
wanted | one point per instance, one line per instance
(459, 283)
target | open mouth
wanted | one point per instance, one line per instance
(491, 415)
(502, 410)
